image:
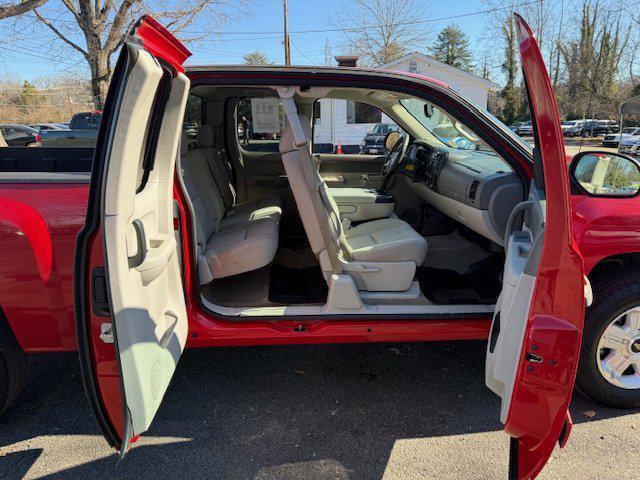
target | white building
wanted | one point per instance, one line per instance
(345, 123)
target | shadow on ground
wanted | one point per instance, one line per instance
(325, 412)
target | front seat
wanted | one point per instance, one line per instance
(380, 255)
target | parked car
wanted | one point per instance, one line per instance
(613, 139)
(40, 127)
(19, 135)
(373, 142)
(594, 128)
(630, 146)
(191, 130)
(572, 128)
(525, 129)
(82, 132)
(144, 270)
(515, 126)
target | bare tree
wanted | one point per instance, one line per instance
(11, 10)
(18, 8)
(381, 31)
(104, 23)
(592, 61)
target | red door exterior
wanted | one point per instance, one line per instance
(538, 416)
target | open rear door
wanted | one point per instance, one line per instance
(534, 344)
(130, 310)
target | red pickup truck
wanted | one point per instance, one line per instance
(460, 231)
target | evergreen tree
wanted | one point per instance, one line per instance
(256, 58)
(452, 47)
(29, 97)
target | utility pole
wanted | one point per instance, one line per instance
(287, 51)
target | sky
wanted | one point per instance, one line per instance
(30, 51)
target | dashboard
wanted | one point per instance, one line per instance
(478, 189)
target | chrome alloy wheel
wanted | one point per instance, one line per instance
(618, 353)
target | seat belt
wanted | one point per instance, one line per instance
(301, 141)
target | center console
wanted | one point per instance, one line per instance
(360, 204)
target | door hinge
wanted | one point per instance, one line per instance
(106, 332)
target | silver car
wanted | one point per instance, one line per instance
(628, 133)
(630, 146)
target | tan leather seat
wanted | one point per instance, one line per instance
(379, 255)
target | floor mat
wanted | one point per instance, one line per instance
(292, 286)
(479, 285)
(250, 289)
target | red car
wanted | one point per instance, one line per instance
(462, 231)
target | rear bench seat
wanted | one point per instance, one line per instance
(232, 237)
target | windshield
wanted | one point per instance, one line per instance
(452, 132)
(630, 131)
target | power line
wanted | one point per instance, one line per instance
(355, 29)
(301, 52)
(34, 53)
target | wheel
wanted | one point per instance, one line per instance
(13, 365)
(586, 134)
(609, 369)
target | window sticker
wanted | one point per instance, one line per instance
(265, 115)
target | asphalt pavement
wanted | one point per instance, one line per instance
(392, 411)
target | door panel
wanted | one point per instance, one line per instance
(141, 315)
(263, 175)
(145, 287)
(534, 343)
(351, 170)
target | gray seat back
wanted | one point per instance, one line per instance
(318, 211)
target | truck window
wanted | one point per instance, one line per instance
(259, 124)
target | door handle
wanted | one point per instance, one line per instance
(518, 211)
(141, 241)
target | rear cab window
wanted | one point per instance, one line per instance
(259, 124)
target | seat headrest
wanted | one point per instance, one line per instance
(205, 138)
(287, 141)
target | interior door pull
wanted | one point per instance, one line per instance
(517, 215)
(141, 241)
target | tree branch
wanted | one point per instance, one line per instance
(120, 20)
(19, 8)
(59, 34)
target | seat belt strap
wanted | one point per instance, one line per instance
(300, 141)
(291, 111)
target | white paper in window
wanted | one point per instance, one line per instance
(265, 113)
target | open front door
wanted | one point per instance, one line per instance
(130, 310)
(534, 344)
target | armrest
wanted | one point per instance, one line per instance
(359, 204)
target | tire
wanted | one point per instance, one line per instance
(614, 294)
(13, 365)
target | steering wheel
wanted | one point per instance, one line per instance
(393, 158)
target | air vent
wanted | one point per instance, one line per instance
(474, 189)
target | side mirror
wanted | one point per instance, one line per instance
(428, 110)
(606, 174)
(392, 139)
